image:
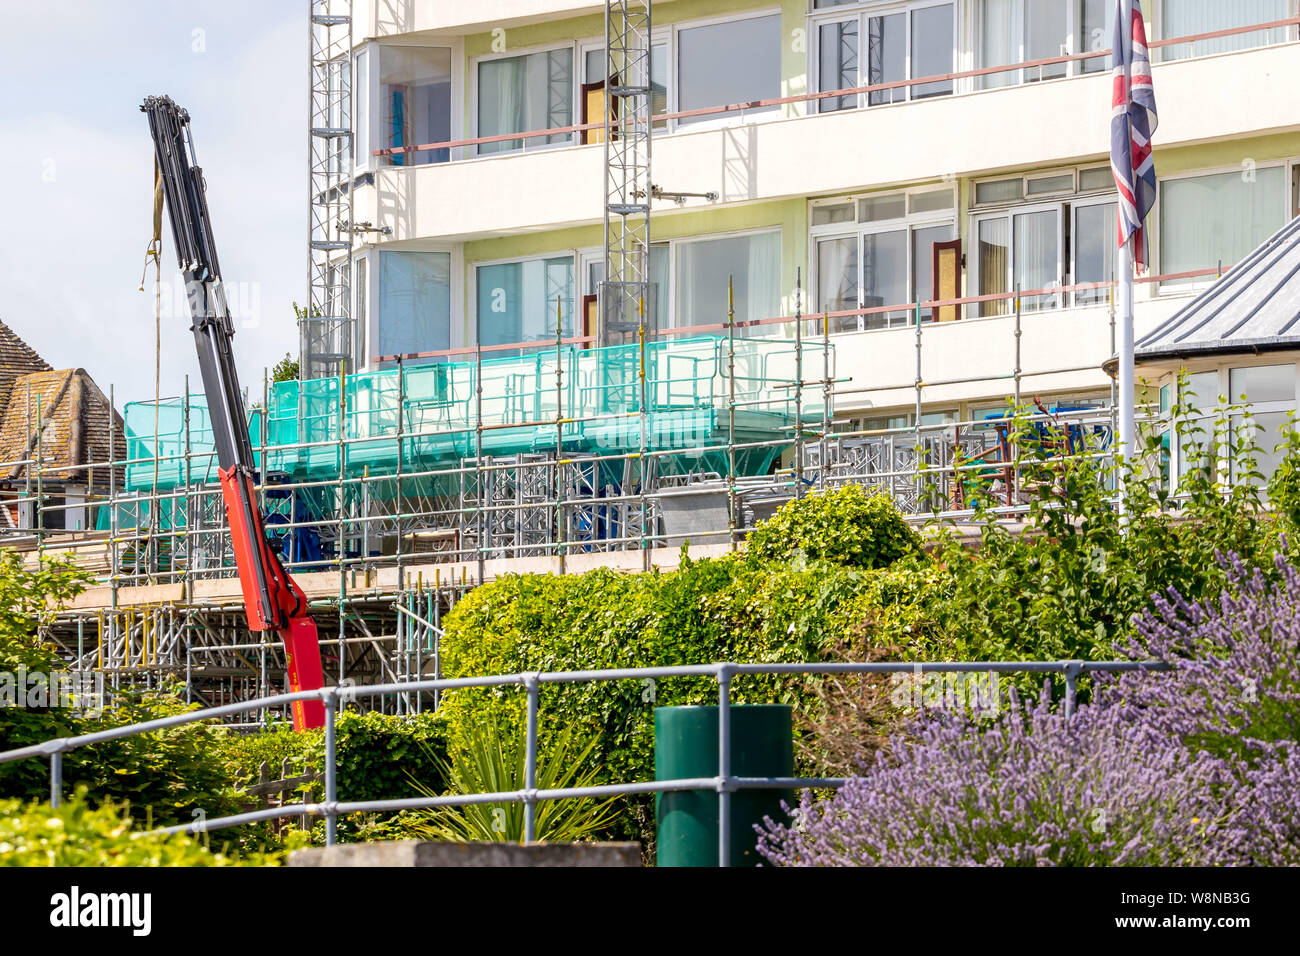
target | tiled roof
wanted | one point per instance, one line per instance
(16, 358)
(1255, 307)
(73, 427)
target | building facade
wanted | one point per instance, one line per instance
(822, 205)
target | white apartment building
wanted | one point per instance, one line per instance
(845, 196)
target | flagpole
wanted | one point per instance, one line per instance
(1127, 438)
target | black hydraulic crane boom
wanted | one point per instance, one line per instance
(272, 600)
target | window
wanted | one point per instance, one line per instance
(517, 300)
(1094, 235)
(531, 91)
(415, 108)
(360, 316)
(752, 263)
(1018, 31)
(414, 302)
(867, 49)
(723, 63)
(886, 260)
(1218, 218)
(1180, 18)
(361, 101)
(594, 62)
(1270, 391)
(1070, 242)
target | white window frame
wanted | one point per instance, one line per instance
(1156, 31)
(365, 96)
(658, 35)
(1075, 204)
(908, 222)
(674, 245)
(575, 106)
(458, 335)
(1153, 221)
(457, 118)
(1073, 68)
(720, 120)
(471, 279)
(862, 12)
(1008, 212)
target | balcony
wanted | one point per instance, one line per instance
(967, 134)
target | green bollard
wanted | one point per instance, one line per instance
(686, 745)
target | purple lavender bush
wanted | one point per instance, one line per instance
(1198, 766)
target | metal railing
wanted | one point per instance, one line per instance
(724, 783)
(451, 147)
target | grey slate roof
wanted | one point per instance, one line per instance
(1255, 307)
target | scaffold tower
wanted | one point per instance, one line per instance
(626, 289)
(325, 329)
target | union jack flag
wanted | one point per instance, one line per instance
(1132, 123)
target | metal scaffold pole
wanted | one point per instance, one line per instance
(733, 518)
(559, 430)
(627, 135)
(798, 382)
(325, 326)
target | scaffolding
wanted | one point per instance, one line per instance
(393, 493)
(325, 324)
(627, 135)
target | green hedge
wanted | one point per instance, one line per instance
(79, 834)
(721, 609)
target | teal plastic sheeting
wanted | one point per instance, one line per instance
(427, 416)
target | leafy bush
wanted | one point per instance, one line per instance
(243, 754)
(489, 764)
(1070, 585)
(711, 610)
(845, 526)
(165, 777)
(1198, 766)
(79, 834)
(379, 754)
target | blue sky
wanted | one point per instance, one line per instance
(76, 156)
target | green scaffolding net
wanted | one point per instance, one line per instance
(699, 394)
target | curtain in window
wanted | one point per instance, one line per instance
(752, 263)
(1187, 17)
(1036, 258)
(1205, 220)
(838, 63)
(998, 43)
(521, 93)
(994, 263)
(414, 302)
(837, 280)
(517, 300)
(1046, 35)
(360, 323)
(657, 307)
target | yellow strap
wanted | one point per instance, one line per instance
(154, 251)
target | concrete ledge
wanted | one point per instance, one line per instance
(421, 853)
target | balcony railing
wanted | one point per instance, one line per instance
(740, 109)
